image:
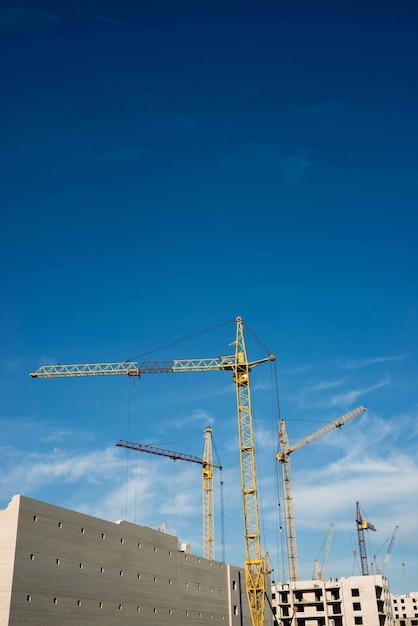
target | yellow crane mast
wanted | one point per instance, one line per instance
(284, 457)
(207, 482)
(240, 367)
(254, 561)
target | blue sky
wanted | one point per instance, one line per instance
(166, 168)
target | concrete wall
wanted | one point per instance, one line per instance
(8, 531)
(73, 569)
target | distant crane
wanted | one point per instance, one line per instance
(389, 550)
(284, 457)
(320, 571)
(207, 483)
(388, 553)
(240, 367)
(362, 525)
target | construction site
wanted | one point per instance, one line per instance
(64, 567)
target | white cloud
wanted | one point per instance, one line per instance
(358, 363)
(58, 435)
(198, 415)
(327, 384)
(29, 473)
(351, 396)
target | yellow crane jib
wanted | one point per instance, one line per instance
(136, 368)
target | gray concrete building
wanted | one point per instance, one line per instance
(59, 567)
(348, 601)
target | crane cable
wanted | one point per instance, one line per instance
(348, 499)
(276, 416)
(257, 339)
(221, 494)
(132, 383)
(177, 341)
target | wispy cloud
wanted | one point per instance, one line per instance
(35, 471)
(57, 436)
(358, 363)
(319, 394)
(47, 360)
(198, 415)
(327, 384)
(372, 479)
(351, 396)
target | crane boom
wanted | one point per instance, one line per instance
(136, 368)
(284, 457)
(319, 571)
(389, 550)
(240, 367)
(144, 447)
(327, 549)
(340, 421)
(207, 482)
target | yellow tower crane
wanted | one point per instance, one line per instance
(284, 457)
(207, 483)
(240, 367)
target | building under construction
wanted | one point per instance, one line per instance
(348, 601)
(405, 609)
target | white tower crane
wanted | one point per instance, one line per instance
(284, 457)
(319, 571)
(387, 555)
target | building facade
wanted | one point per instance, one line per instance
(405, 609)
(351, 601)
(60, 567)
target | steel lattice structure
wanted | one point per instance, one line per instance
(240, 367)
